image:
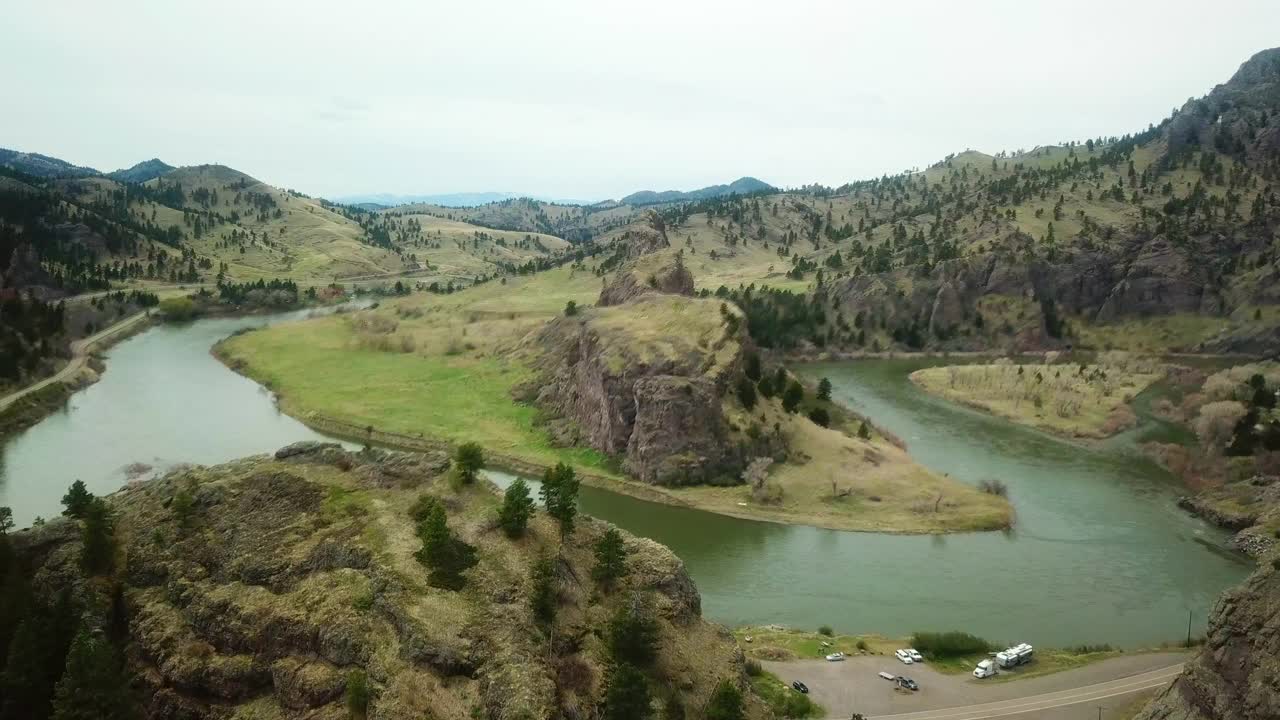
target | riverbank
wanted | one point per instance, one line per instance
(781, 645)
(1076, 401)
(326, 374)
(27, 406)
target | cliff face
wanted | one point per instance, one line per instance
(296, 570)
(1237, 674)
(643, 381)
(658, 273)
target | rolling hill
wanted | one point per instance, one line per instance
(741, 186)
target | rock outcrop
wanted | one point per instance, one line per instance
(644, 382)
(658, 273)
(290, 572)
(1236, 676)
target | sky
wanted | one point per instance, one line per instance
(592, 100)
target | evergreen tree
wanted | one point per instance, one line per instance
(6, 521)
(725, 703)
(446, 556)
(560, 496)
(746, 393)
(792, 398)
(36, 659)
(77, 500)
(633, 634)
(468, 459)
(97, 555)
(517, 508)
(752, 367)
(626, 695)
(542, 598)
(824, 390)
(820, 416)
(864, 431)
(94, 685)
(611, 558)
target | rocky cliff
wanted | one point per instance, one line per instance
(644, 381)
(291, 572)
(657, 273)
(1236, 676)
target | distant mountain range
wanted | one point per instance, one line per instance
(45, 166)
(458, 200)
(741, 186)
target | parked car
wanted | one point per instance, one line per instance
(800, 687)
(835, 657)
(915, 655)
(904, 656)
(888, 676)
(907, 683)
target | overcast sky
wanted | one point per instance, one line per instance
(594, 99)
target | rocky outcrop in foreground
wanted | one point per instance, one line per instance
(291, 572)
(1236, 676)
(661, 273)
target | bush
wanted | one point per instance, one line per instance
(942, 645)
(754, 668)
(357, 693)
(994, 487)
(825, 630)
(861, 645)
(468, 458)
(570, 308)
(421, 508)
(820, 416)
(178, 308)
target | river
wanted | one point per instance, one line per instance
(1100, 553)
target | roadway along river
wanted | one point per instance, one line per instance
(1100, 553)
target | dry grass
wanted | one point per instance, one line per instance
(1068, 399)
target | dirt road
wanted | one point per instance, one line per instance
(80, 350)
(854, 686)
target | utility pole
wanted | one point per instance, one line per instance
(1188, 627)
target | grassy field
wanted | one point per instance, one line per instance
(443, 367)
(1067, 399)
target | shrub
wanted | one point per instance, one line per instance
(861, 645)
(942, 645)
(468, 458)
(421, 508)
(357, 693)
(793, 396)
(178, 308)
(820, 416)
(991, 486)
(570, 308)
(725, 702)
(864, 431)
(754, 668)
(825, 630)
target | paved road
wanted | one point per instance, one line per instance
(79, 356)
(854, 686)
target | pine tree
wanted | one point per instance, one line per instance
(792, 398)
(611, 558)
(94, 685)
(77, 500)
(824, 390)
(542, 597)
(626, 695)
(725, 703)
(633, 634)
(36, 659)
(517, 508)
(560, 497)
(446, 556)
(98, 535)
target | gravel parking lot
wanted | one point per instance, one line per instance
(855, 686)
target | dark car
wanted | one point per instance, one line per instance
(907, 683)
(800, 687)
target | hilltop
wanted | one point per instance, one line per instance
(741, 186)
(142, 172)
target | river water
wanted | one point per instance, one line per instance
(1100, 553)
